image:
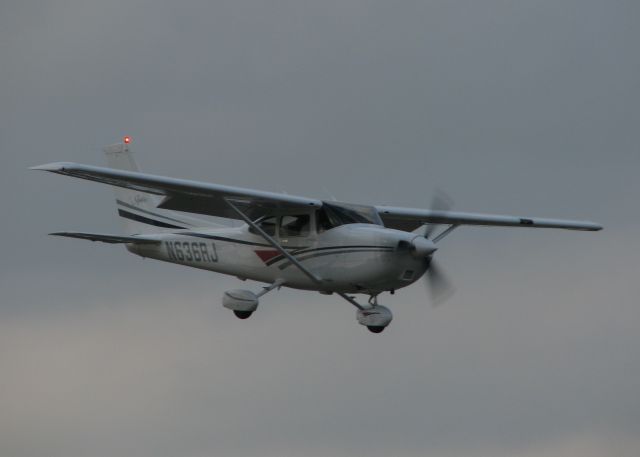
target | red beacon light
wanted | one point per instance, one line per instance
(127, 139)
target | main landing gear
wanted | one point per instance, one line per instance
(375, 317)
(244, 302)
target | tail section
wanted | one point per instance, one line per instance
(138, 210)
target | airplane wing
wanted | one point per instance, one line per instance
(409, 219)
(113, 239)
(205, 198)
(186, 195)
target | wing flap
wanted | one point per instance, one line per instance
(105, 238)
(409, 219)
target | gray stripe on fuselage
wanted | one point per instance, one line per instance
(320, 254)
(304, 251)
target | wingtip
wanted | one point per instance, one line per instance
(55, 166)
(592, 226)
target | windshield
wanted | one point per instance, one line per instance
(336, 214)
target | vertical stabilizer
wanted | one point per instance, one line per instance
(120, 157)
(138, 210)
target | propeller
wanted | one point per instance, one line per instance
(436, 282)
(423, 247)
(441, 202)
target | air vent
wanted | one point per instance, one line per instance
(407, 275)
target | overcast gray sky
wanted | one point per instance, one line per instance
(516, 107)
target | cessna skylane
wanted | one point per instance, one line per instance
(286, 241)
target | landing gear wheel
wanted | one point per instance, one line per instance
(242, 314)
(376, 318)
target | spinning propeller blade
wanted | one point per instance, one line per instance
(436, 282)
(440, 202)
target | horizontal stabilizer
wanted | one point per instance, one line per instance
(114, 239)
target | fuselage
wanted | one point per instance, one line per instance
(351, 258)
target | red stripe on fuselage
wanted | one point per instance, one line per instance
(266, 255)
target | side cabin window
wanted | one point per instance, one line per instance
(295, 225)
(268, 224)
(335, 214)
(289, 226)
(331, 215)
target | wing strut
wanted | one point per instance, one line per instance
(448, 230)
(351, 300)
(273, 242)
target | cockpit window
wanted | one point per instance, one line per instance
(268, 224)
(295, 225)
(323, 221)
(334, 214)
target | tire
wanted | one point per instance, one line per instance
(375, 329)
(242, 314)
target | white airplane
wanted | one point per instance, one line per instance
(289, 241)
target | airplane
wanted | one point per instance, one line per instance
(286, 241)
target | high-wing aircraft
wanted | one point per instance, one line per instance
(285, 241)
